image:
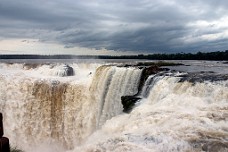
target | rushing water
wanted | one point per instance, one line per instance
(83, 113)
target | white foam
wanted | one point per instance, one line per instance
(175, 117)
(41, 108)
(45, 112)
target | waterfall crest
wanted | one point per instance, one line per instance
(175, 116)
(109, 84)
(60, 111)
(83, 112)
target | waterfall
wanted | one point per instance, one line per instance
(174, 92)
(175, 116)
(109, 84)
(150, 82)
(59, 111)
(45, 112)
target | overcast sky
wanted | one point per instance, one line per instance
(113, 26)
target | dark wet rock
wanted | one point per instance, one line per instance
(69, 70)
(203, 76)
(159, 64)
(141, 65)
(1, 126)
(126, 65)
(128, 102)
(215, 146)
(196, 77)
(65, 70)
(164, 69)
(147, 71)
(4, 142)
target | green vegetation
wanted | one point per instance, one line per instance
(188, 56)
(219, 55)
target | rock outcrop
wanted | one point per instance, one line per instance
(4, 142)
(147, 71)
(203, 76)
(128, 102)
(65, 70)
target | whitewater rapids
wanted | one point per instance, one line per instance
(83, 113)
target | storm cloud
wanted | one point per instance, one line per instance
(129, 25)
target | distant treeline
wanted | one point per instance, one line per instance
(178, 56)
(219, 55)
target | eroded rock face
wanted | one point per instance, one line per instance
(128, 102)
(147, 71)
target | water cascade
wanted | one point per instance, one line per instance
(84, 112)
(176, 116)
(60, 111)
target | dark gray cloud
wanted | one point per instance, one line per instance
(127, 25)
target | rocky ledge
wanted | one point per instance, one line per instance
(128, 102)
(4, 142)
(203, 76)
